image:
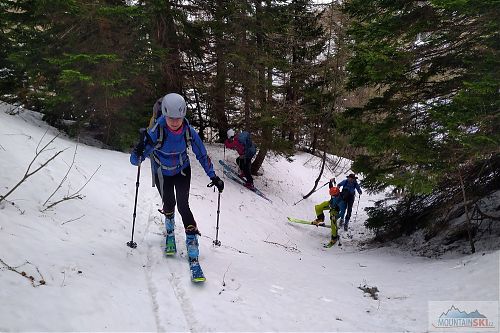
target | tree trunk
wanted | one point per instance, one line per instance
(261, 93)
(247, 101)
(469, 223)
(220, 79)
(166, 35)
(201, 123)
(323, 161)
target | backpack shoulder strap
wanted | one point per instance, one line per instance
(188, 137)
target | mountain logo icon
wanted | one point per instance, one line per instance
(454, 312)
(456, 318)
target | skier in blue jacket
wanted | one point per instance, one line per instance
(246, 149)
(349, 188)
(166, 143)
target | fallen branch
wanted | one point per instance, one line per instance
(64, 178)
(75, 195)
(224, 280)
(72, 220)
(16, 206)
(28, 174)
(288, 248)
(23, 273)
(484, 215)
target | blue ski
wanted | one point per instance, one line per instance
(232, 174)
(196, 271)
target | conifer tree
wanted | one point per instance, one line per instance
(434, 64)
(431, 129)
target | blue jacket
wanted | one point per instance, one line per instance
(338, 202)
(172, 155)
(351, 186)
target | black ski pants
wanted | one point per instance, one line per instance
(182, 183)
(350, 203)
(245, 165)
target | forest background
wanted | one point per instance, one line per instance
(406, 89)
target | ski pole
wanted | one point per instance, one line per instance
(133, 244)
(224, 174)
(217, 241)
(305, 197)
(357, 206)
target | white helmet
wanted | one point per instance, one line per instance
(230, 133)
(173, 106)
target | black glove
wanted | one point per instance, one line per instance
(217, 182)
(139, 149)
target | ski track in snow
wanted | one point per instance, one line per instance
(155, 263)
(152, 289)
(183, 299)
(179, 272)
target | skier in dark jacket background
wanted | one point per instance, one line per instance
(166, 144)
(349, 188)
(246, 149)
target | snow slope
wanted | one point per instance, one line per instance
(268, 275)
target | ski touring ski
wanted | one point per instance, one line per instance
(331, 243)
(170, 247)
(196, 271)
(194, 265)
(232, 174)
(294, 220)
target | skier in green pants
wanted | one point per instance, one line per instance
(336, 205)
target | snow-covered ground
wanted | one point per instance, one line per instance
(268, 274)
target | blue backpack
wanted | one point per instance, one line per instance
(245, 139)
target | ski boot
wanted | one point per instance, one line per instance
(341, 222)
(249, 186)
(346, 225)
(193, 253)
(320, 220)
(332, 241)
(170, 247)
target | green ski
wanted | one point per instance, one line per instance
(294, 220)
(170, 248)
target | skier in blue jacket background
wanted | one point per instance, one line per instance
(166, 144)
(349, 188)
